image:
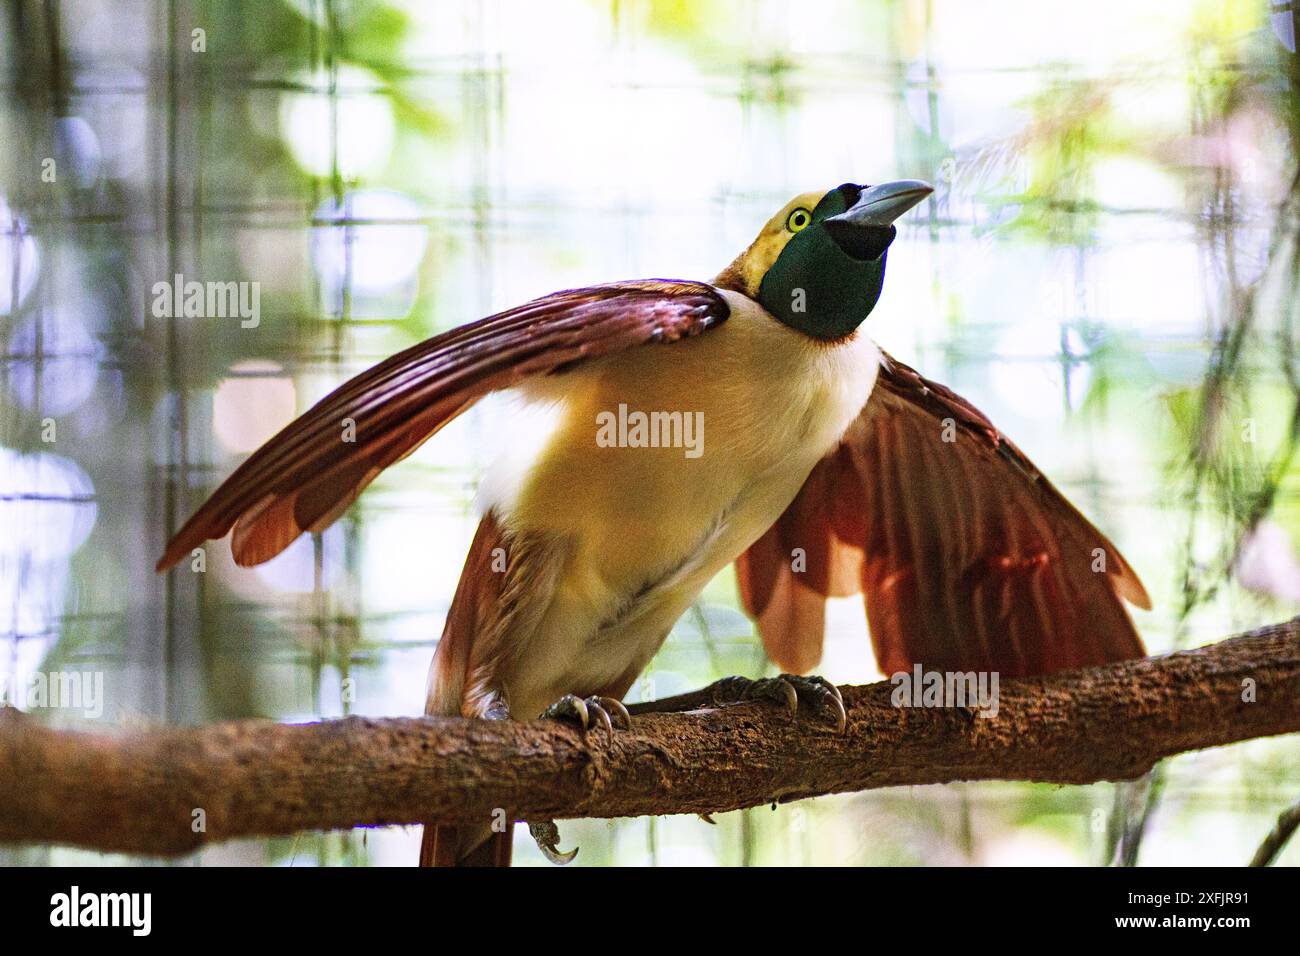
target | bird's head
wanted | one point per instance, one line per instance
(819, 264)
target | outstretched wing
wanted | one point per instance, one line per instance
(967, 557)
(307, 475)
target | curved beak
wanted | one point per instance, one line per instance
(881, 205)
(864, 231)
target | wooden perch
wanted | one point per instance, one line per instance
(139, 791)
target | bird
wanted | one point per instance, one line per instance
(682, 427)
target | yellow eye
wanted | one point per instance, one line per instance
(799, 219)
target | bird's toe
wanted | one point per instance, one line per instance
(547, 836)
(570, 707)
(790, 690)
(585, 711)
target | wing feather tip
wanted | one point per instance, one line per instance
(176, 549)
(1134, 591)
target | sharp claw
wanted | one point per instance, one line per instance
(617, 707)
(837, 701)
(835, 691)
(593, 704)
(841, 715)
(571, 706)
(547, 837)
(555, 856)
(787, 688)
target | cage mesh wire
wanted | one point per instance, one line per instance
(384, 172)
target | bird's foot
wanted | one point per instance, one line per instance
(547, 836)
(818, 693)
(582, 711)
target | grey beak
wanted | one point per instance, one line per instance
(881, 205)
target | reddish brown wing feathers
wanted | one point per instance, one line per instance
(475, 610)
(789, 605)
(307, 475)
(505, 584)
(475, 606)
(967, 557)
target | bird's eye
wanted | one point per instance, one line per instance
(799, 219)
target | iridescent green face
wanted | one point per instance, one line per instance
(829, 276)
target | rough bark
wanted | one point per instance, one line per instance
(138, 791)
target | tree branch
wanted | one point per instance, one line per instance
(138, 792)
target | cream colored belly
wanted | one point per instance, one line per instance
(646, 528)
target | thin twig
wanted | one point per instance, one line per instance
(1287, 823)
